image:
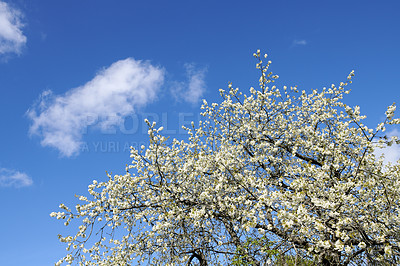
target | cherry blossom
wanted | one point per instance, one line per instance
(271, 173)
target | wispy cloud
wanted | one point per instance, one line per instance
(112, 94)
(299, 42)
(11, 37)
(13, 178)
(193, 88)
(391, 153)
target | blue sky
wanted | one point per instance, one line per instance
(77, 79)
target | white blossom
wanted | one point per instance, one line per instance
(279, 170)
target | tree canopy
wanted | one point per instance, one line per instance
(275, 173)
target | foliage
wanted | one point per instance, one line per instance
(276, 173)
(244, 256)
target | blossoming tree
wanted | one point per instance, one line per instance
(266, 175)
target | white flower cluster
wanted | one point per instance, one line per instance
(262, 174)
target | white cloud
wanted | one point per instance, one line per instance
(392, 153)
(193, 89)
(11, 37)
(299, 42)
(105, 100)
(9, 178)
